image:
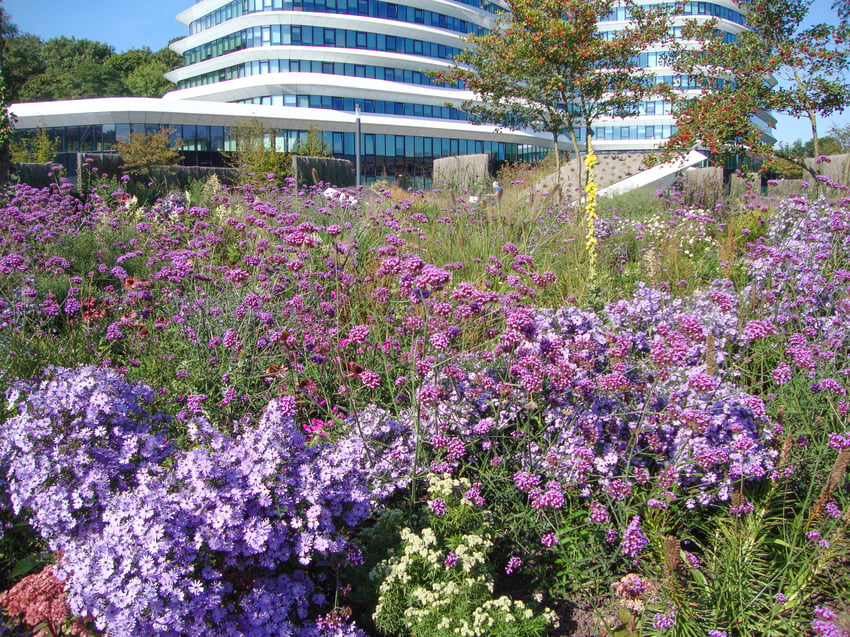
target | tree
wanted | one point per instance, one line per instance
(6, 29)
(22, 60)
(255, 154)
(314, 145)
(548, 67)
(73, 69)
(39, 148)
(737, 79)
(143, 151)
(841, 134)
(142, 71)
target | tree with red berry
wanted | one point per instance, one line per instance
(775, 65)
(548, 67)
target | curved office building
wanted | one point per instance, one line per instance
(294, 64)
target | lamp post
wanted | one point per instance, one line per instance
(357, 145)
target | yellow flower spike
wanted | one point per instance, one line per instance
(590, 191)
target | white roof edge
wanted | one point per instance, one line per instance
(151, 110)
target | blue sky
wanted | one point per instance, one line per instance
(128, 24)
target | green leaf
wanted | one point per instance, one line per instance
(26, 566)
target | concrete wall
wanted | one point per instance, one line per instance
(336, 172)
(465, 172)
(833, 168)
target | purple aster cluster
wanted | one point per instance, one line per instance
(226, 538)
(76, 441)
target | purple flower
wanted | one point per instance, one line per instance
(666, 620)
(359, 333)
(113, 331)
(549, 540)
(513, 564)
(634, 541)
(194, 403)
(437, 506)
(598, 513)
(72, 306)
(824, 624)
(370, 379)
(782, 374)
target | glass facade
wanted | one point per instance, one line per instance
(306, 35)
(367, 8)
(383, 107)
(259, 67)
(710, 9)
(383, 156)
(310, 42)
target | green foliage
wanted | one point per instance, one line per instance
(145, 150)
(39, 148)
(5, 117)
(842, 135)
(545, 54)
(314, 145)
(829, 145)
(142, 71)
(255, 155)
(72, 69)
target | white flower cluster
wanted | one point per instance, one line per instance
(441, 592)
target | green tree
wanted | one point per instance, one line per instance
(39, 148)
(142, 71)
(546, 54)
(314, 145)
(22, 60)
(548, 67)
(6, 29)
(73, 69)
(128, 61)
(842, 135)
(143, 151)
(255, 154)
(147, 80)
(738, 79)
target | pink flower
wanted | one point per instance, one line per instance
(370, 379)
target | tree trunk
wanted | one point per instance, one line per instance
(577, 150)
(557, 162)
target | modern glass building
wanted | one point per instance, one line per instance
(296, 64)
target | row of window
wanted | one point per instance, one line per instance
(676, 33)
(260, 67)
(370, 8)
(657, 131)
(192, 138)
(347, 104)
(619, 14)
(686, 82)
(253, 6)
(286, 34)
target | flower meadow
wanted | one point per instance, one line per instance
(272, 410)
